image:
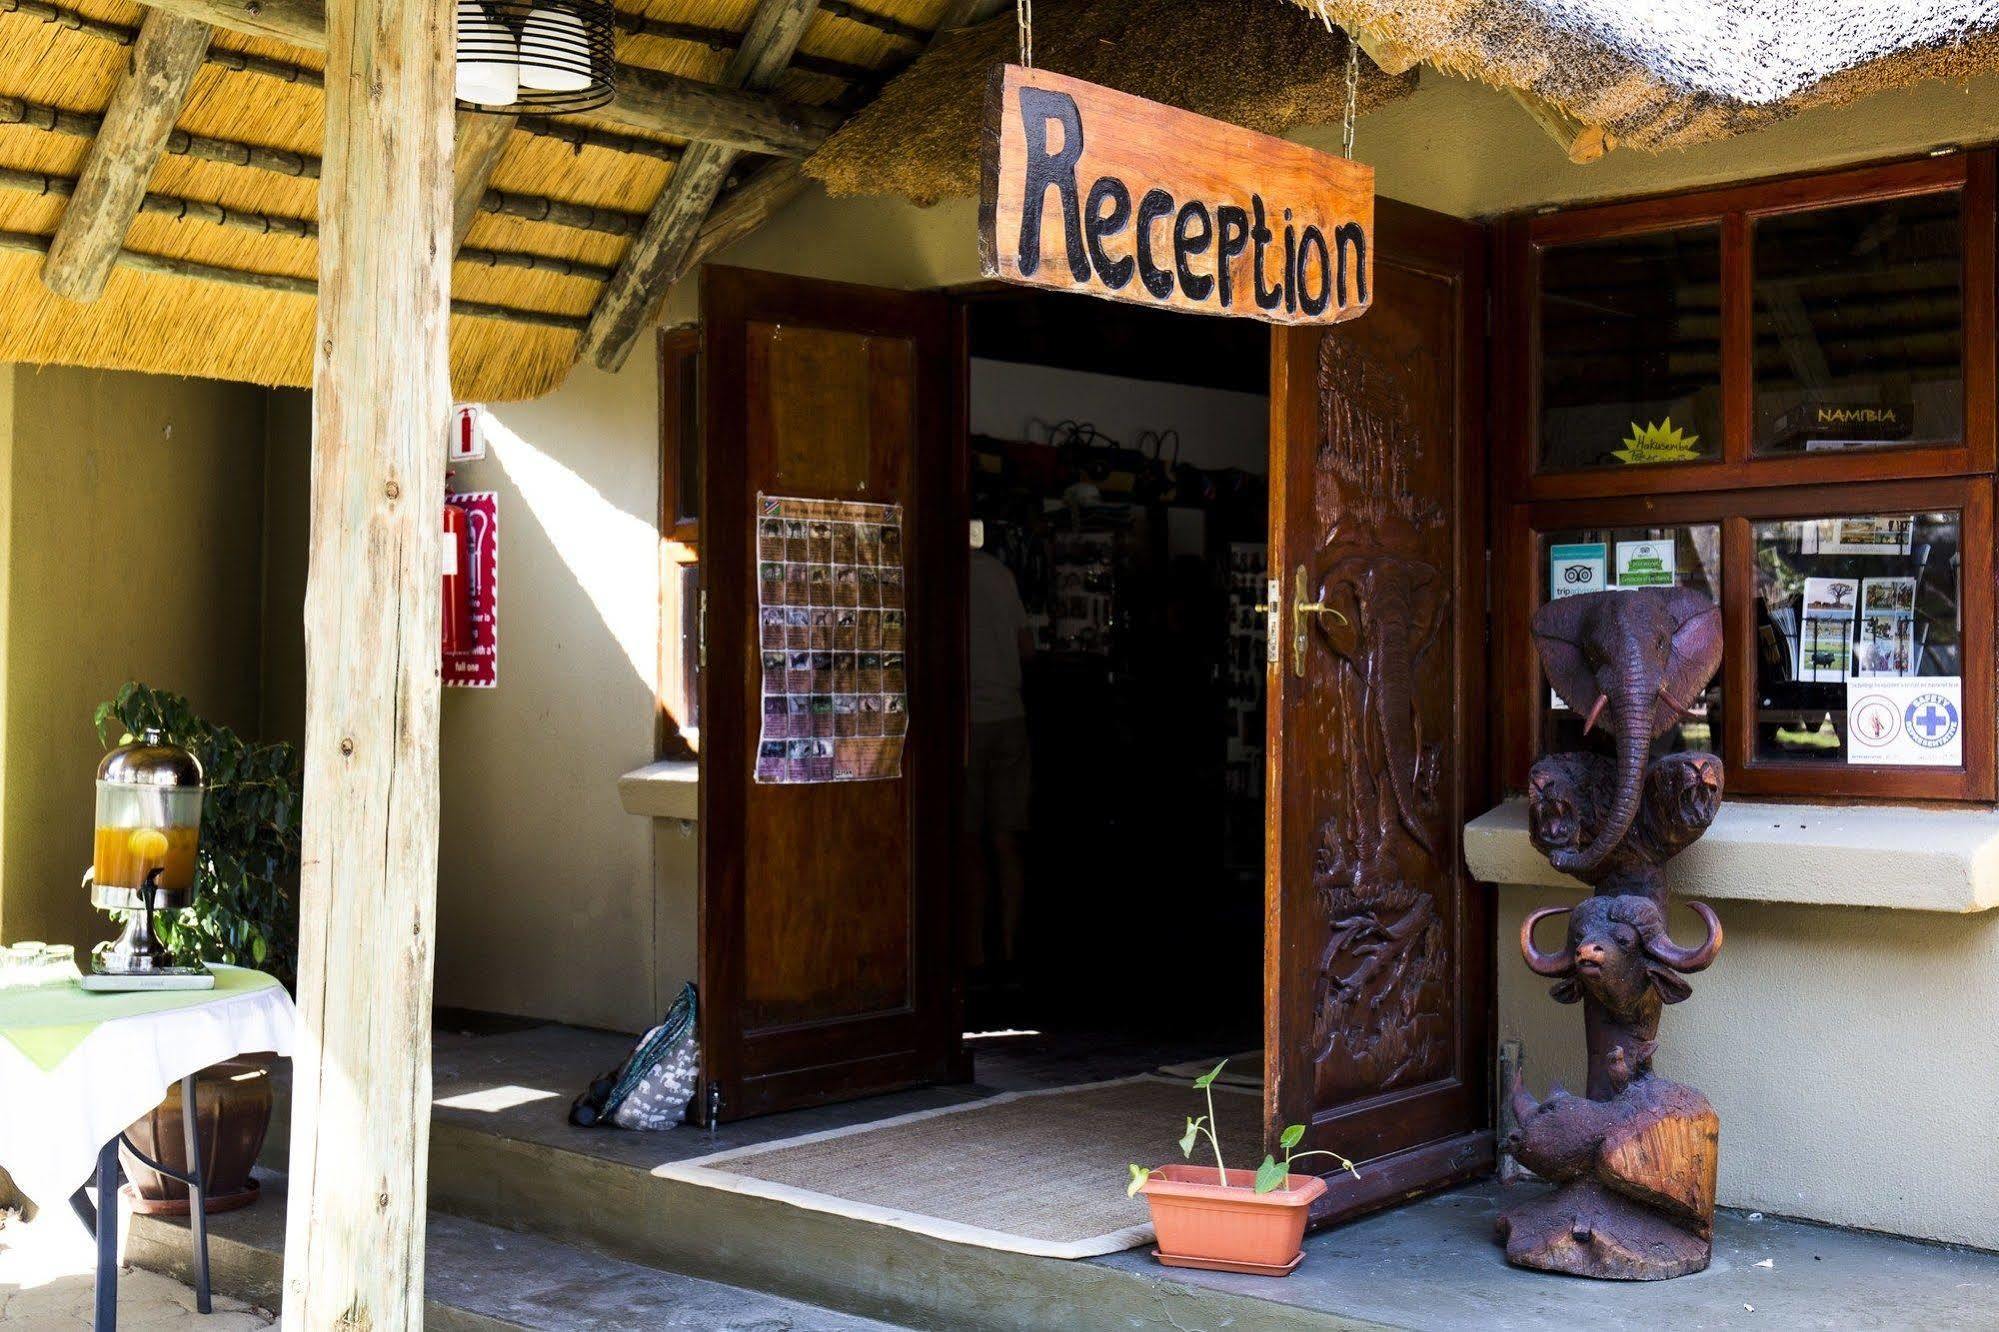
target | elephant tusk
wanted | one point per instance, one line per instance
(1689, 959)
(1540, 963)
(1589, 724)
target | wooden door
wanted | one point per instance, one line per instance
(825, 937)
(1379, 948)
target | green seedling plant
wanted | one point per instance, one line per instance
(1269, 1176)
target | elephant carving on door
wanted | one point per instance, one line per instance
(1384, 955)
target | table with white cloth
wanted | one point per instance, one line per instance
(78, 1068)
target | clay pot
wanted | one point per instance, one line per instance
(234, 1103)
(1232, 1229)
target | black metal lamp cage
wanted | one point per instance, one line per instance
(538, 57)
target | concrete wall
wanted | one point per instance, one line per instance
(133, 552)
(1849, 1051)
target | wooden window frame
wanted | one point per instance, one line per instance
(676, 693)
(1740, 488)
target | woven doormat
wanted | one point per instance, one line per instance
(1040, 1172)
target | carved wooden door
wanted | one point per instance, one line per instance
(825, 931)
(1378, 956)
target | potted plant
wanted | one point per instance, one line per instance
(1231, 1220)
(244, 912)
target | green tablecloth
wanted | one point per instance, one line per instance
(46, 1023)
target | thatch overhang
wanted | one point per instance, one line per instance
(217, 270)
(1249, 62)
(1668, 75)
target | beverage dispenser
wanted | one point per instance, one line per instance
(149, 796)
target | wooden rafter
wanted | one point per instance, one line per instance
(746, 208)
(658, 256)
(1579, 140)
(479, 140)
(129, 142)
(647, 99)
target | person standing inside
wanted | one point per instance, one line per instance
(998, 785)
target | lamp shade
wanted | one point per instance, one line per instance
(558, 53)
(488, 54)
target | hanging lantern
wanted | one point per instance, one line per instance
(539, 57)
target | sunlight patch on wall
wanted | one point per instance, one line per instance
(613, 556)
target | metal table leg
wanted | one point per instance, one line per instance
(197, 1197)
(105, 1318)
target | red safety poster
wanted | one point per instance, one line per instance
(472, 571)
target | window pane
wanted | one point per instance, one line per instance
(1859, 323)
(687, 482)
(1842, 599)
(1594, 559)
(1631, 350)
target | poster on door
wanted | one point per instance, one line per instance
(832, 627)
(472, 591)
(1906, 723)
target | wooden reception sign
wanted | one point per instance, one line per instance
(1090, 190)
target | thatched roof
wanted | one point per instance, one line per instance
(253, 211)
(1248, 62)
(1670, 73)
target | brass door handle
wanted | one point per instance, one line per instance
(1301, 610)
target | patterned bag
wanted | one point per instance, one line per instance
(652, 1088)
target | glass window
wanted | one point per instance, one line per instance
(1594, 559)
(1631, 350)
(1842, 600)
(1859, 326)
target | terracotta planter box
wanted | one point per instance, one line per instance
(1232, 1229)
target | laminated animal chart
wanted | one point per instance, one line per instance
(831, 626)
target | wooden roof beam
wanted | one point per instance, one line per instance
(478, 142)
(647, 99)
(116, 170)
(659, 256)
(1579, 140)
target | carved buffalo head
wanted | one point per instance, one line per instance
(1618, 953)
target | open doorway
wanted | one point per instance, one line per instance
(1114, 832)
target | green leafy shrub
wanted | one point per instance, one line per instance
(245, 907)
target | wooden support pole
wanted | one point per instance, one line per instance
(1579, 140)
(647, 99)
(479, 140)
(657, 258)
(140, 117)
(367, 911)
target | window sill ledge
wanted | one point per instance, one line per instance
(1868, 856)
(669, 789)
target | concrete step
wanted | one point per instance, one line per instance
(479, 1278)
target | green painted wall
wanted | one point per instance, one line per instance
(131, 517)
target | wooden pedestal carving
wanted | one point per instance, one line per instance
(1634, 1158)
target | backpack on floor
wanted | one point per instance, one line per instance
(655, 1084)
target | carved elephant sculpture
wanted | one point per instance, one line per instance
(1643, 657)
(1387, 611)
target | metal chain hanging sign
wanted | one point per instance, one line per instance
(1086, 189)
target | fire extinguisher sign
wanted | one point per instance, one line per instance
(472, 590)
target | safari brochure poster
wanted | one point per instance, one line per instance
(832, 628)
(1914, 723)
(1888, 534)
(1646, 564)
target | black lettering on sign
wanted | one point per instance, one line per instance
(1233, 223)
(1188, 242)
(1160, 207)
(1351, 234)
(1040, 108)
(1155, 205)
(1100, 223)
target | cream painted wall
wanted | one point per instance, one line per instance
(133, 552)
(1849, 1051)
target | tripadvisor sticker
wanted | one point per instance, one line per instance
(1905, 723)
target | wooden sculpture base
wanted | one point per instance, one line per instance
(1584, 1229)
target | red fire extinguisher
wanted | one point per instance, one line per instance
(457, 587)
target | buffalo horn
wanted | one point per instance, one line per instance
(1540, 963)
(1689, 959)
